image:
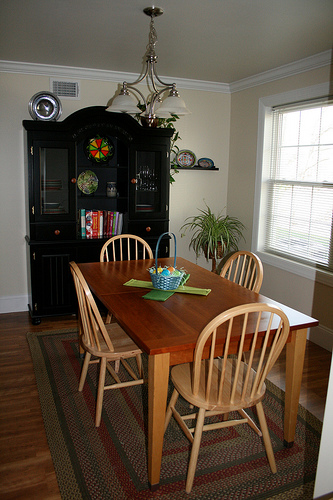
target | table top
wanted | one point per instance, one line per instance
(171, 326)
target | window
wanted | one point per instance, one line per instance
(296, 185)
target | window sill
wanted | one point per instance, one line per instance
(318, 275)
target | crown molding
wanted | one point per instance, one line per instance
(307, 64)
(103, 75)
(294, 68)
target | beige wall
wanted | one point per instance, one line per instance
(218, 121)
(205, 131)
(296, 291)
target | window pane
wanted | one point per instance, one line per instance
(326, 136)
(325, 164)
(307, 163)
(287, 166)
(290, 128)
(310, 126)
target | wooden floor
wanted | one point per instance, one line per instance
(26, 469)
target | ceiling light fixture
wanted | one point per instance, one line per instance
(154, 106)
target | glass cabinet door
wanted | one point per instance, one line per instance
(54, 181)
(149, 189)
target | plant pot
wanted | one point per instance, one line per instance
(219, 255)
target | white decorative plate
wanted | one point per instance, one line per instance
(186, 158)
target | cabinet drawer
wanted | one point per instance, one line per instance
(55, 232)
(148, 228)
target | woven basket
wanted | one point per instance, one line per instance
(165, 282)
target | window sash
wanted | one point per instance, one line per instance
(300, 195)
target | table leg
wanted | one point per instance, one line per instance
(294, 373)
(158, 380)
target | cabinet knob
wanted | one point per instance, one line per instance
(73, 180)
(57, 232)
(134, 181)
(148, 229)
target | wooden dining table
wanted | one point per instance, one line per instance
(167, 331)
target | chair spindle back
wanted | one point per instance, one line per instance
(93, 328)
(245, 269)
(125, 247)
(239, 383)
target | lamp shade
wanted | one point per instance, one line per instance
(159, 113)
(174, 105)
(123, 103)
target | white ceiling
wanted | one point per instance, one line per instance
(213, 40)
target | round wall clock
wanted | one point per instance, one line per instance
(99, 149)
(45, 106)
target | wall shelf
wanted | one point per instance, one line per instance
(196, 168)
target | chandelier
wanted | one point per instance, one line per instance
(154, 107)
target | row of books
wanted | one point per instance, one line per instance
(100, 223)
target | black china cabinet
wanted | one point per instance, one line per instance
(93, 175)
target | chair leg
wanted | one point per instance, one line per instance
(139, 364)
(266, 437)
(100, 391)
(117, 365)
(108, 318)
(195, 450)
(171, 404)
(84, 370)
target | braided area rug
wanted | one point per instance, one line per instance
(111, 462)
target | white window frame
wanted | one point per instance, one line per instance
(266, 105)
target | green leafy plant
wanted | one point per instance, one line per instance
(174, 149)
(214, 236)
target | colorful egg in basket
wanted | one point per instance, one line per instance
(168, 278)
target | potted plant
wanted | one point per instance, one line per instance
(214, 236)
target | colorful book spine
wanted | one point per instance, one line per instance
(111, 224)
(105, 221)
(100, 223)
(89, 224)
(120, 224)
(83, 222)
(95, 224)
(116, 223)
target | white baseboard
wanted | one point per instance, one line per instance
(14, 303)
(323, 336)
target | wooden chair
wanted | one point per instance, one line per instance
(245, 269)
(223, 384)
(105, 342)
(125, 247)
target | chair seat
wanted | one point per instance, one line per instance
(124, 347)
(181, 376)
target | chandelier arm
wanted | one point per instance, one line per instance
(169, 85)
(139, 80)
(133, 89)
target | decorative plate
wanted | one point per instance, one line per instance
(87, 182)
(186, 158)
(45, 106)
(205, 163)
(99, 149)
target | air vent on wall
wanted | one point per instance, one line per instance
(66, 89)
